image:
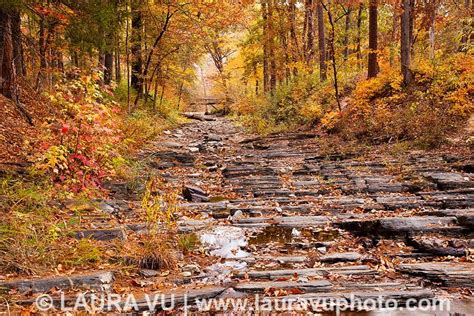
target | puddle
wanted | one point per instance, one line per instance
(284, 235)
(226, 242)
(216, 199)
(325, 235)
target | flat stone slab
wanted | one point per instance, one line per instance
(341, 257)
(450, 274)
(194, 194)
(465, 217)
(448, 199)
(395, 226)
(301, 221)
(400, 202)
(283, 260)
(418, 223)
(449, 180)
(187, 226)
(441, 247)
(311, 286)
(273, 274)
(100, 281)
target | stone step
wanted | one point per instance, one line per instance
(442, 246)
(290, 221)
(401, 226)
(450, 274)
(100, 281)
(275, 274)
(260, 287)
(465, 217)
(450, 180)
(448, 200)
(341, 257)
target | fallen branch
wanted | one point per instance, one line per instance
(199, 117)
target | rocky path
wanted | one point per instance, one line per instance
(278, 218)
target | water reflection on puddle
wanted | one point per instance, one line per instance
(226, 242)
(283, 235)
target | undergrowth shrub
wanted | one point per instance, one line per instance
(35, 236)
(95, 134)
(436, 103)
(292, 104)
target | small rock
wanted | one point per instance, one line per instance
(193, 149)
(322, 249)
(147, 273)
(295, 232)
(193, 268)
(195, 194)
(212, 168)
(172, 145)
(238, 215)
(187, 274)
(214, 137)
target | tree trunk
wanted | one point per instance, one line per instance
(322, 44)
(373, 66)
(42, 42)
(266, 40)
(346, 34)
(359, 34)
(412, 26)
(108, 67)
(467, 30)
(309, 48)
(393, 35)
(273, 68)
(136, 49)
(295, 50)
(405, 48)
(332, 53)
(283, 35)
(118, 70)
(431, 34)
(17, 43)
(7, 84)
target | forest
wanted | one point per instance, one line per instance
(201, 146)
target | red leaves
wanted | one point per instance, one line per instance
(275, 292)
(64, 129)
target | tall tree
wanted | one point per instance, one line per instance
(266, 48)
(136, 80)
(321, 43)
(17, 43)
(8, 69)
(359, 33)
(406, 41)
(328, 7)
(295, 49)
(309, 36)
(347, 28)
(373, 66)
(273, 67)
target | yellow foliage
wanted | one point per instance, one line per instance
(330, 119)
